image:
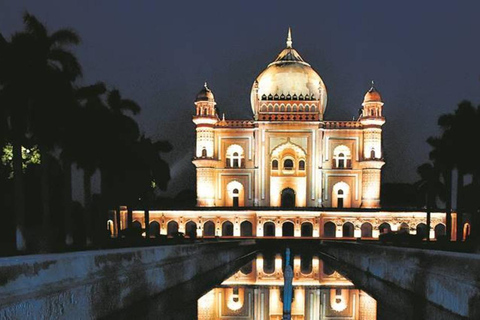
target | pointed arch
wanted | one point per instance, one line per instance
(341, 195)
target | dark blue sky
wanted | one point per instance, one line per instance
(423, 55)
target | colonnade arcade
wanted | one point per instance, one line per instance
(239, 223)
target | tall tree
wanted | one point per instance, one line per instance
(87, 145)
(443, 158)
(52, 71)
(431, 188)
(13, 70)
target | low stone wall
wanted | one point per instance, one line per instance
(93, 284)
(450, 280)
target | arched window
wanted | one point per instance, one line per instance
(301, 165)
(342, 157)
(204, 153)
(234, 156)
(288, 164)
(275, 165)
(372, 154)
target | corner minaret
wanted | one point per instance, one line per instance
(205, 119)
(372, 121)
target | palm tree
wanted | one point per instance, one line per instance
(431, 188)
(13, 68)
(119, 133)
(443, 159)
(123, 130)
(53, 68)
(453, 150)
(87, 145)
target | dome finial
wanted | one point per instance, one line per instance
(205, 85)
(289, 38)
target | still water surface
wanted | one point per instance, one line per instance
(252, 288)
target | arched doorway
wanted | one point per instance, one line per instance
(306, 264)
(466, 231)
(154, 228)
(287, 229)
(235, 193)
(247, 269)
(191, 229)
(268, 263)
(172, 228)
(340, 196)
(288, 198)
(209, 229)
(366, 229)
(246, 229)
(329, 230)
(440, 230)
(307, 229)
(227, 229)
(110, 227)
(136, 225)
(347, 230)
(422, 230)
(269, 229)
(384, 228)
(404, 228)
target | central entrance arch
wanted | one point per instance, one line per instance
(288, 198)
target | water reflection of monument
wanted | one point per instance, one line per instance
(255, 292)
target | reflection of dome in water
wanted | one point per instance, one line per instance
(289, 77)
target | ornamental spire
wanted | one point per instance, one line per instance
(289, 38)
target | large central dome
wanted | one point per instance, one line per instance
(289, 77)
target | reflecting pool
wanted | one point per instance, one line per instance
(256, 291)
(251, 288)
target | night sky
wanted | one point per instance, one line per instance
(423, 55)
